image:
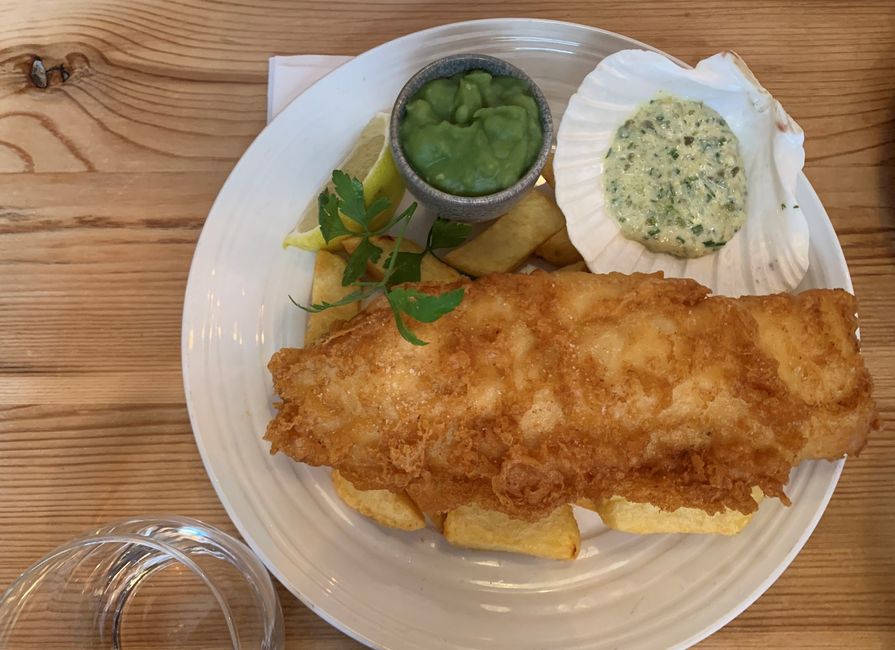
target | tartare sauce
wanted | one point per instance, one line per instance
(674, 178)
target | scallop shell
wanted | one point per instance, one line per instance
(769, 254)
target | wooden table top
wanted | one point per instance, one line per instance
(106, 179)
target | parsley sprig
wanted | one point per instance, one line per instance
(401, 266)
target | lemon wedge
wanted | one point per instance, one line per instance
(371, 162)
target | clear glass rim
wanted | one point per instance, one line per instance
(128, 531)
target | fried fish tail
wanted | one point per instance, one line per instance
(812, 338)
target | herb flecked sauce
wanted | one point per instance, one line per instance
(674, 178)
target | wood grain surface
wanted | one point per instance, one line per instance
(105, 181)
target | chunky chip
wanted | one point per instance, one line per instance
(556, 536)
(645, 518)
(559, 250)
(326, 286)
(383, 506)
(509, 241)
(577, 267)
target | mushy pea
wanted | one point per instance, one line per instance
(674, 178)
(473, 133)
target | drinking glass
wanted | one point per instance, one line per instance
(158, 583)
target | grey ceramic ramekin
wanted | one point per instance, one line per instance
(468, 208)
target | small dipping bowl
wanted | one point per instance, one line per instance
(471, 209)
(152, 582)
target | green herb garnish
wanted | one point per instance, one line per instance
(401, 266)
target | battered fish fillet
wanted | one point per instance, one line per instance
(539, 390)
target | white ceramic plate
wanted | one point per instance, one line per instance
(412, 590)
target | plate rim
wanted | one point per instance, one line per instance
(191, 287)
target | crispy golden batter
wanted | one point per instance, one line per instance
(542, 389)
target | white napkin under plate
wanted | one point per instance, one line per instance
(290, 76)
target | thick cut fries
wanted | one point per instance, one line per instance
(327, 287)
(558, 250)
(510, 240)
(645, 518)
(383, 506)
(577, 267)
(556, 536)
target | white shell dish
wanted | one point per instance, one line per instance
(769, 254)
